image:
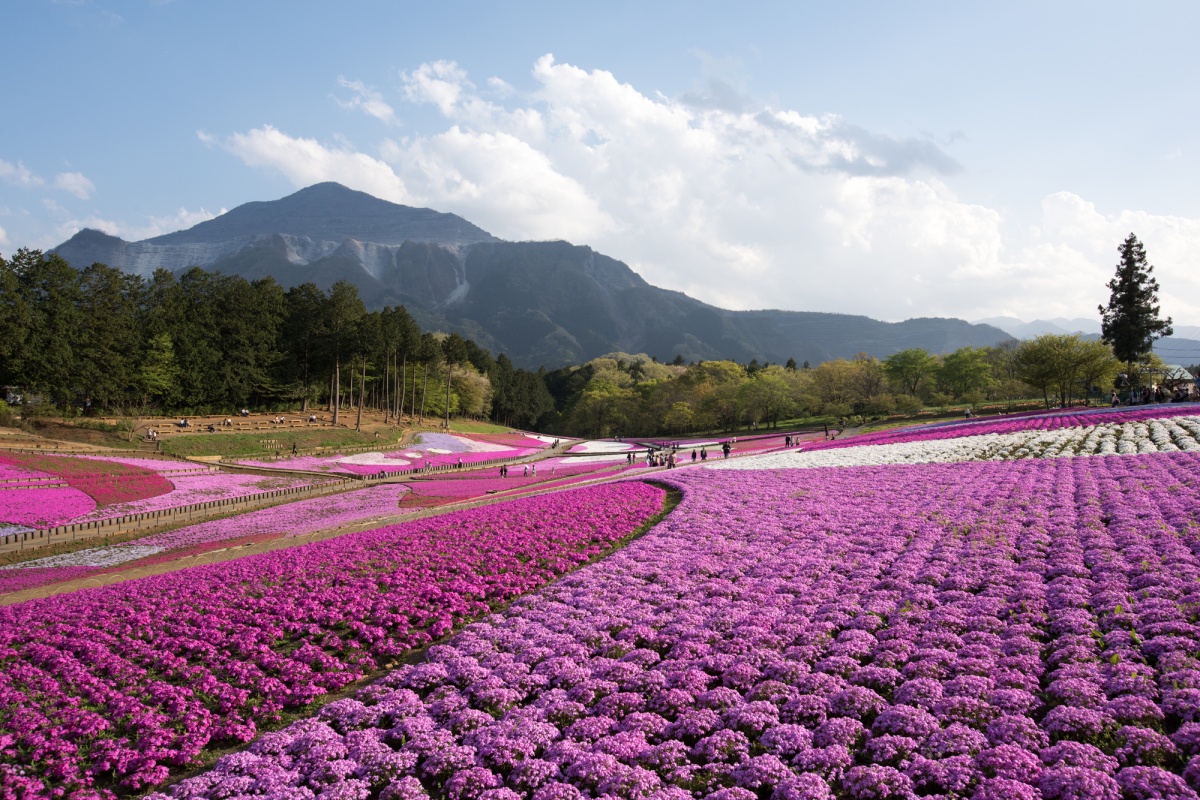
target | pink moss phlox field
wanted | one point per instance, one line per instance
(292, 519)
(202, 488)
(18, 580)
(979, 630)
(107, 689)
(1049, 422)
(42, 508)
(105, 481)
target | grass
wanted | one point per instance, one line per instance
(251, 444)
(473, 426)
(83, 432)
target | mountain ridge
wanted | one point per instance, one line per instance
(543, 303)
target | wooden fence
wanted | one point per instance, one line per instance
(167, 516)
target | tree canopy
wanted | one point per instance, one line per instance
(1130, 322)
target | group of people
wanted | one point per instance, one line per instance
(527, 470)
(1151, 394)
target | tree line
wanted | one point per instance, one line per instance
(202, 342)
(635, 395)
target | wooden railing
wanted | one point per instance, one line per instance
(167, 516)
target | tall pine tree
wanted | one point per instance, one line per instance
(1131, 323)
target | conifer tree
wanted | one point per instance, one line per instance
(1131, 323)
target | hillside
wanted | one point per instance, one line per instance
(542, 303)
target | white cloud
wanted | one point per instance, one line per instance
(75, 183)
(4, 242)
(736, 202)
(307, 161)
(18, 175)
(367, 100)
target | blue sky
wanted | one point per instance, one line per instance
(890, 159)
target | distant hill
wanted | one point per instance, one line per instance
(542, 303)
(1182, 348)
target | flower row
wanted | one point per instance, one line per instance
(1047, 422)
(108, 689)
(1151, 436)
(996, 630)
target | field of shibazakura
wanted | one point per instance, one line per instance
(980, 610)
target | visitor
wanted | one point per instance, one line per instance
(671, 460)
(1115, 399)
(293, 448)
(459, 461)
(725, 448)
(525, 471)
(533, 470)
(704, 454)
(693, 455)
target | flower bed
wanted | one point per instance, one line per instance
(1148, 436)
(41, 508)
(292, 519)
(106, 482)
(1044, 421)
(1001, 630)
(163, 466)
(550, 473)
(434, 449)
(113, 686)
(191, 489)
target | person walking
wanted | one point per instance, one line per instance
(704, 454)
(725, 448)
(693, 455)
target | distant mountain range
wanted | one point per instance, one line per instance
(542, 303)
(1183, 347)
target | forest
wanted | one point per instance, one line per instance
(100, 341)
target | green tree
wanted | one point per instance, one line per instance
(108, 334)
(53, 293)
(1130, 322)
(965, 371)
(343, 310)
(14, 323)
(908, 369)
(158, 375)
(301, 335)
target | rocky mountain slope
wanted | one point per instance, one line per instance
(542, 303)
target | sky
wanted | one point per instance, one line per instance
(890, 159)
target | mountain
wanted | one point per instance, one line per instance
(542, 303)
(1028, 330)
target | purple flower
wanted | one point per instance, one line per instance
(875, 783)
(1078, 783)
(1153, 783)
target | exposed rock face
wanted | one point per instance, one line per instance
(542, 303)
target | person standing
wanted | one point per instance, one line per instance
(704, 454)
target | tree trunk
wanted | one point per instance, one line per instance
(362, 395)
(337, 389)
(387, 376)
(403, 384)
(449, 372)
(412, 407)
(424, 388)
(304, 401)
